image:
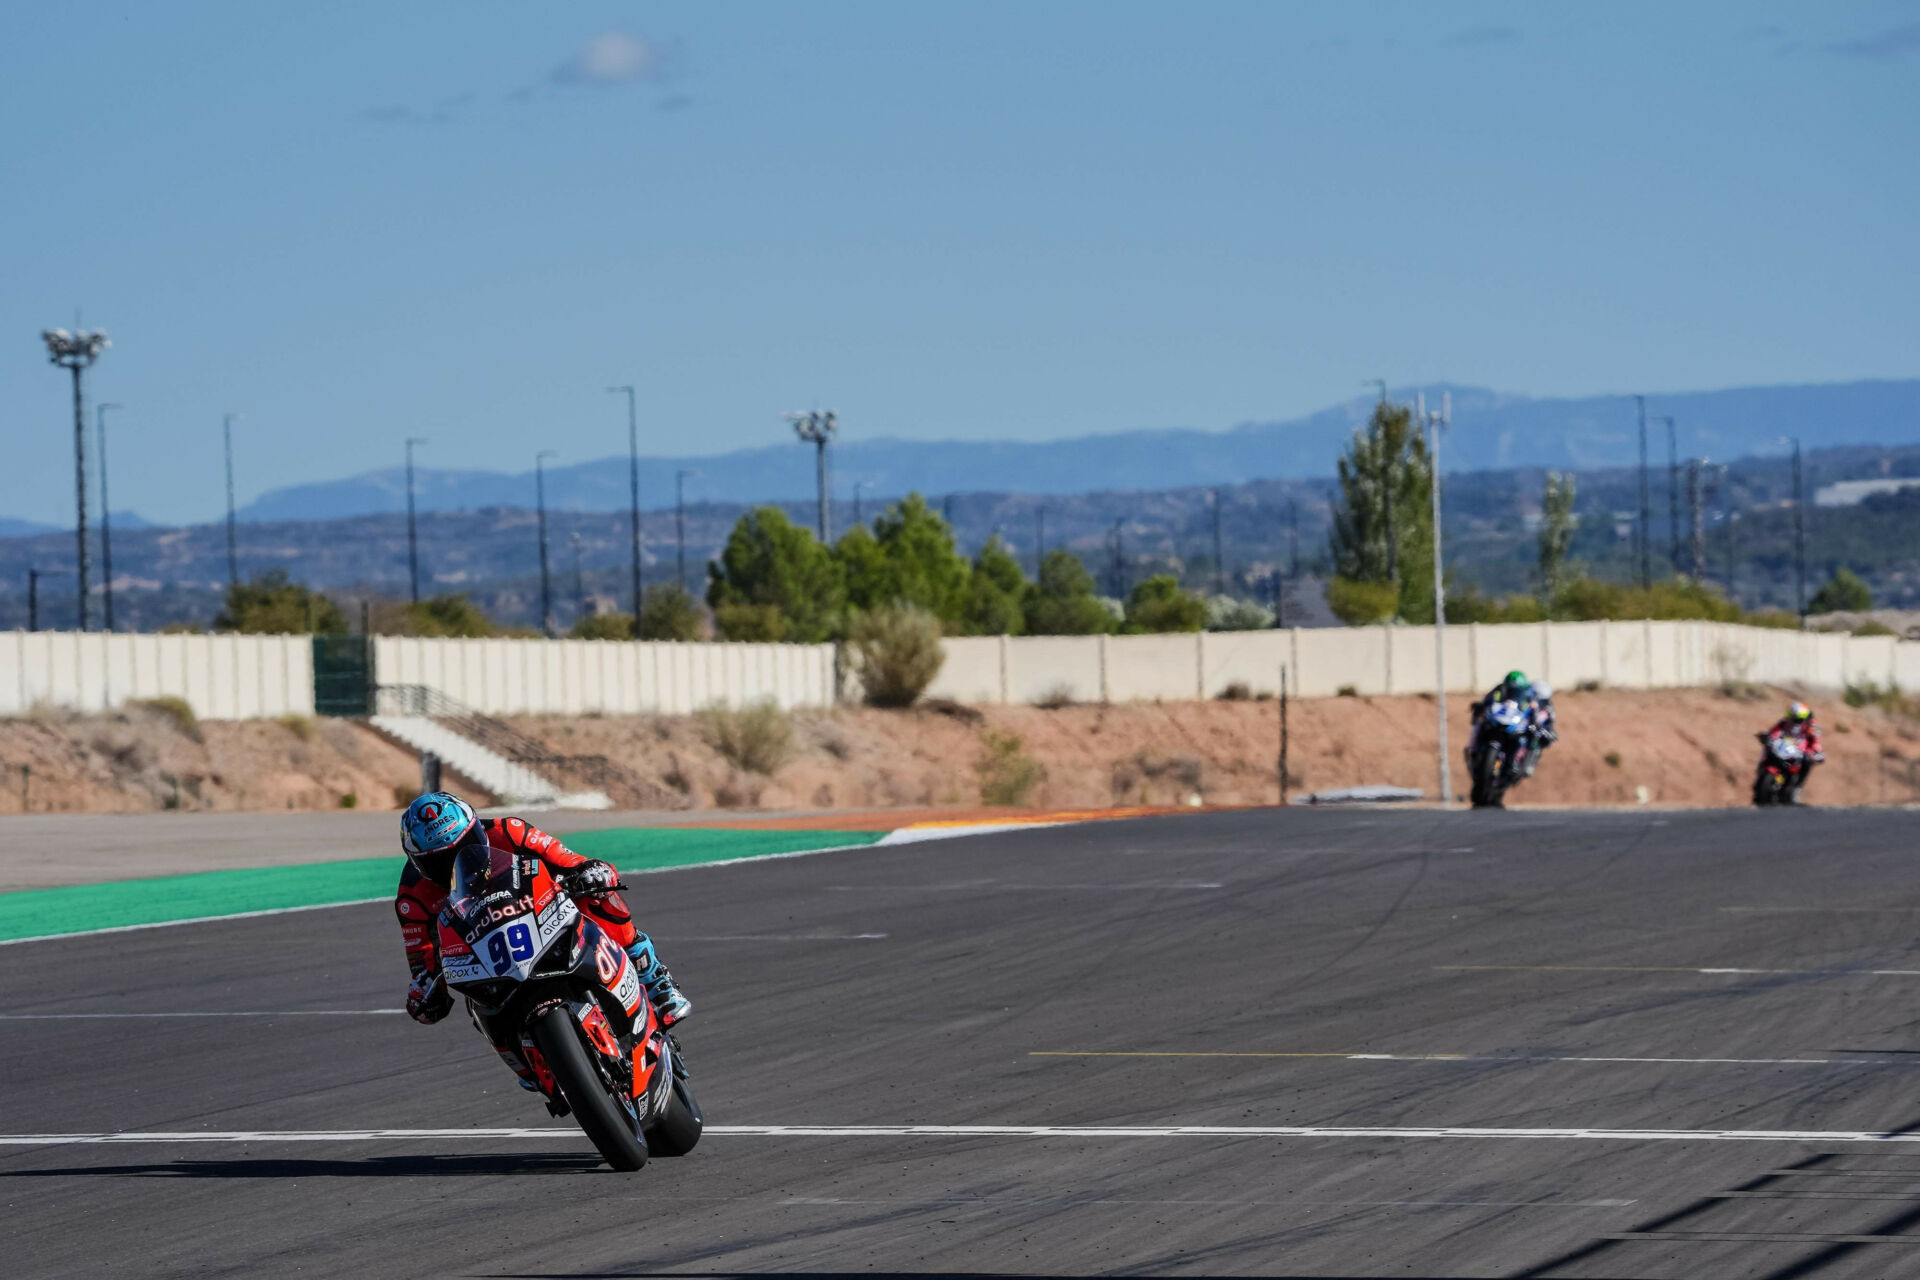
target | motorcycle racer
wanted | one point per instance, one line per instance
(1799, 725)
(1516, 688)
(435, 828)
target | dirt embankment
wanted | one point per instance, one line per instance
(1685, 748)
(140, 759)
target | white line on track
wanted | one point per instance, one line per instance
(975, 886)
(211, 1013)
(991, 1131)
(1470, 1057)
(1651, 968)
(773, 937)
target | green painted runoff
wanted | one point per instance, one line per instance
(46, 913)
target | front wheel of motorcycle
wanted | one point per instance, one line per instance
(599, 1113)
(679, 1125)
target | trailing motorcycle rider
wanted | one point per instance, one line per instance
(434, 830)
(1799, 726)
(1516, 688)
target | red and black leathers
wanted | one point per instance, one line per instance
(1805, 730)
(419, 899)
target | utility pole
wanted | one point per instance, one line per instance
(858, 485)
(579, 580)
(1799, 537)
(1040, 540)
(817, 429)
(106, 515)
(633, 496)
(1646, 559)
(1293, 534)
(1219, 553)
(33, 594)
(74, 352)
(413, 532)
(233, 539)
(680, 522)
(546, 581)
(1696, 521)
(1673, 494)
(1732, 516)
(1437, 423)
(1116, 563)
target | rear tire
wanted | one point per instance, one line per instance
(679, 1126)
(600, 1116)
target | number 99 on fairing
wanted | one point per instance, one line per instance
(513, 943)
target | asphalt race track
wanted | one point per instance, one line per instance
(1690, 1034)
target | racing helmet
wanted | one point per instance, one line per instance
(433, 830)
(1516, 682)
(1799, 713)
(1543, 692)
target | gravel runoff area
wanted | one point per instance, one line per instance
(1279, 1043)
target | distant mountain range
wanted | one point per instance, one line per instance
(32, 528)
(1490, 430)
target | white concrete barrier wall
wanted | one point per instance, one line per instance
(222, 677)
(574, 677)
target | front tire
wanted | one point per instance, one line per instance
(600, 1115)
(679, 1125)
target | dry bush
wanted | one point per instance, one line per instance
(1008, 775)
(895, 651)
(1060, 695)
(1135, 778)
(1238, 691)
(758, 739)
(300, 727)
(176, 711)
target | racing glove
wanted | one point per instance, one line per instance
(428, 999)
(591, 879)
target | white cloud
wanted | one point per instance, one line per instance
(612, 57)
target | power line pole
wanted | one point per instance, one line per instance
(680, 523)
(1116, 570)
(1293, 533)
(1040, 540)
(233, 538)
(633, 496)
(858, 485)
(546, 581)
(1673, 494)
(106, 515)
(1646, 557)
(1799, 537)
(1696, 521)
(817, 429)
(74, 352)
(1437, 423)
(413, 532)
(1219, 552)
(579, 580)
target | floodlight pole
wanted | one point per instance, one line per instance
(106, 516)
(1646, 530)
(817, 429)
(546, 579)
(1673, 493)
(633, 497)
(680, 523)
(233, 541)
(413, 533)
(1437, 423)
(74, 352)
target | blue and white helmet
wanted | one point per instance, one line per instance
(432, 830)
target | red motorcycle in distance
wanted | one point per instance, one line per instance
(540, 974)
(1783, 767)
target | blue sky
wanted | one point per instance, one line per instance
(352, 223)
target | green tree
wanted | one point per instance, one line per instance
(603, 626)
(1556, 531)
(1158, 604)
(909, 559)
(1383, 523)
(273, 604)
(997, 591)
(750, 623)
(1843, 593)
(449, 615)
(771, 563)
(669, 613)
(1063, 602)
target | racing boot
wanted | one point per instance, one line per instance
(668, 1003)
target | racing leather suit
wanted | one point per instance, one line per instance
(419, 900)
(1539, 715)
(1807, 733)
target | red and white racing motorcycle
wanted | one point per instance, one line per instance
(539, 973)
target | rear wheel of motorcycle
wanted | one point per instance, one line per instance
(599, 1113)
(679, 1125)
